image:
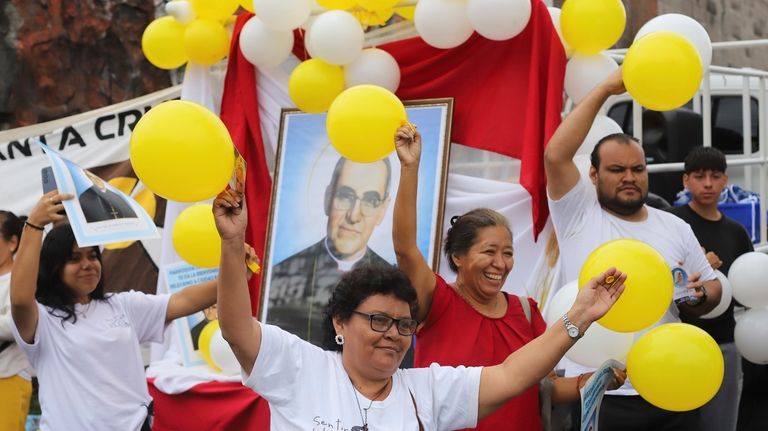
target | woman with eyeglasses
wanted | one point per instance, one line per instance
(370, 319)
(471, 322)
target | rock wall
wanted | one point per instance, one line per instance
(728, 20)
(62, 57)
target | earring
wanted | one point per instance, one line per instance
(339, 339)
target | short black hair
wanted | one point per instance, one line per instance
(621, 138)
(705, 159)
(340, 164)
(359, 284)
(51, 290)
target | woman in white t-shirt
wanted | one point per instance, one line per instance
(15, 382)
(357, 384)
(83, 342)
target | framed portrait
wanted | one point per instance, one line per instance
(329, 215)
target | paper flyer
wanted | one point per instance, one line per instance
(593, 391)
(99, 213)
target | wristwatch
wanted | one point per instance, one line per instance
(570, 328)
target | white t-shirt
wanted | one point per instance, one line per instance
(582, 225)
(91, 373)
(12, 359)
(308, 389)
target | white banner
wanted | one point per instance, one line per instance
(91, 139)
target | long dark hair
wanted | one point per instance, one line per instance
(51, 290)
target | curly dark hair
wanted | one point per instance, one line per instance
(51, 290)
(462, 235)
(359, 284)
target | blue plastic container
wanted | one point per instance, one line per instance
(748, 214)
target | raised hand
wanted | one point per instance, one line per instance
(230, 217)
(614, 83)
(597, 297)
(408, 145)
(48, 208)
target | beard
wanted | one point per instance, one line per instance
(619, 206)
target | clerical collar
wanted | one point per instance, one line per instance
(343, 265)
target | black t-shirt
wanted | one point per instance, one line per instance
(729, 240)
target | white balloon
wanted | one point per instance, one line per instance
(725, 297)
(336, 37)
(598, 343)
(374, 66)
(181, 10)
(601, 127)
(685, 26)
(748, 275)
(263, 46)
(442, 23)
(751, 336)
(554, 13)
(584, 72)
(283, 14)
(499, 19)
(561, 302)
(222, 355)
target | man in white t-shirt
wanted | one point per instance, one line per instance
(613, 206)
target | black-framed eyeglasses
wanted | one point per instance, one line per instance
(381, 323)
(345, 199)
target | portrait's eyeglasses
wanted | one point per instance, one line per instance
(345, 199)
(381, 323)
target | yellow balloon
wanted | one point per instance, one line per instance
(163, 43)
(182, 151)
(407, 12)
(206, 41)
(336, 4)
(373, 17)
(647, 291)
(214, 9)
(362, 122)
(204, 343)
(676, 367)
(195, 238)
(247, 5)
(662, 70)
(590, 26)
(314, 84)
(377, 4)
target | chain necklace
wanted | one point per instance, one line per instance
(364, 411)
(460, 290)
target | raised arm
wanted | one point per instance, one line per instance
(238, 327)
(409, 258)
(526, 366)
(27, 263)
(562, 173)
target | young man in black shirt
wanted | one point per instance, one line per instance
(723, 240)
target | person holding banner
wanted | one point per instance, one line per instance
(610, 205)
(471, 322)
(15, 382)
(83, 342)
(357, 384)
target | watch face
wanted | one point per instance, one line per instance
(573, 332)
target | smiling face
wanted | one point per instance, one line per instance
(81, 273)
(486, 265)
(621, 178)
(349, 224)
(370, 353)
